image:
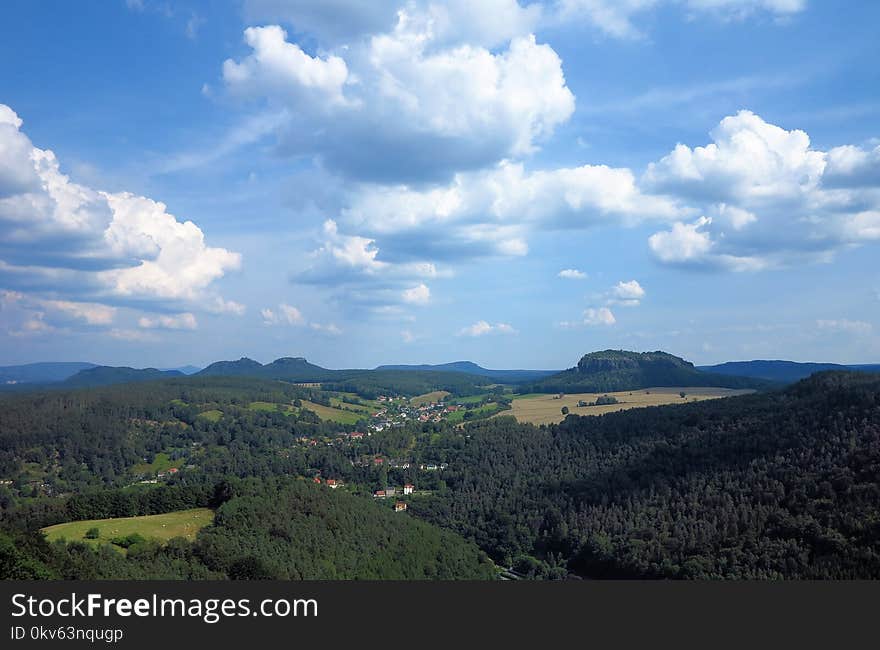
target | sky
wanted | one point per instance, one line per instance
(361, 182)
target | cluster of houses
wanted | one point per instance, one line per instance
(399, 506)
(393, 491)
(395, 412)
(331, 483)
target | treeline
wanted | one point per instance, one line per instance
(776, 485)
(267, 529)
(370, 384)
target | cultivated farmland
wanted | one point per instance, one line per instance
(547, 409)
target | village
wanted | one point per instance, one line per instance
(397, 411)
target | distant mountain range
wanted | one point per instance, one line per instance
(605, 371)
(470, 368)
(38, 373)
(780, 371)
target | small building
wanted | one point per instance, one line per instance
(379, 494)
(173, 470)
(408, 488)
(317, 480)
(399, 506)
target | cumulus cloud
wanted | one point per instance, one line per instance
(62, 238)
(593, 317)
(430, 105)
(628, 294)
(184, 321)
(417, 295)
(768, 199)
(482, 328)
(284, 69)
(572, 274)
(284, 315)
(492, 212)
(350, 265)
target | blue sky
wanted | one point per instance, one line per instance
(374, 182)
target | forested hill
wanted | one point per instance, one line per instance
(108, 375)
(617, 370)
(471, 368)
(772, 485)
(272, 529)
(780, 371)
(38, 373)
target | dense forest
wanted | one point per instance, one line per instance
(267, 529)
(775, 485)
(780, 484)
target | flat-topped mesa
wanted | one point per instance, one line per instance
(616, 360)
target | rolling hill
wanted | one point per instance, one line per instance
(107, 375)
(778, 370)
(40, 373)
(471, 368)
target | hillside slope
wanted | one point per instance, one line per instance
(781, 484)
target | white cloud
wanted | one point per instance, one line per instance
(628, 294)
(282, 69)
(853, 327)
(184, 321)
(284, 315)
(430, 105)
(768, 198)
(62, 238)
(682, 243)
(220, 306)
(417, 295)
(326, 328)
(91, 313)
(492, 212)
(599, 316)
(407, 336)
(572, 274)
(482, 328)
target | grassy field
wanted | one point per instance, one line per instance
(268, 406)
(183, 523)
(367, 409)
(211, 416)
(161, 463)
(546, 409)
(332, 414)
(429, 398)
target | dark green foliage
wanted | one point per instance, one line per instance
(296, 531)
(274, 529)
(776, 485)
(128, 540)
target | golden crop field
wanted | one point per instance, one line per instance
(547, 409)
(183, 523)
